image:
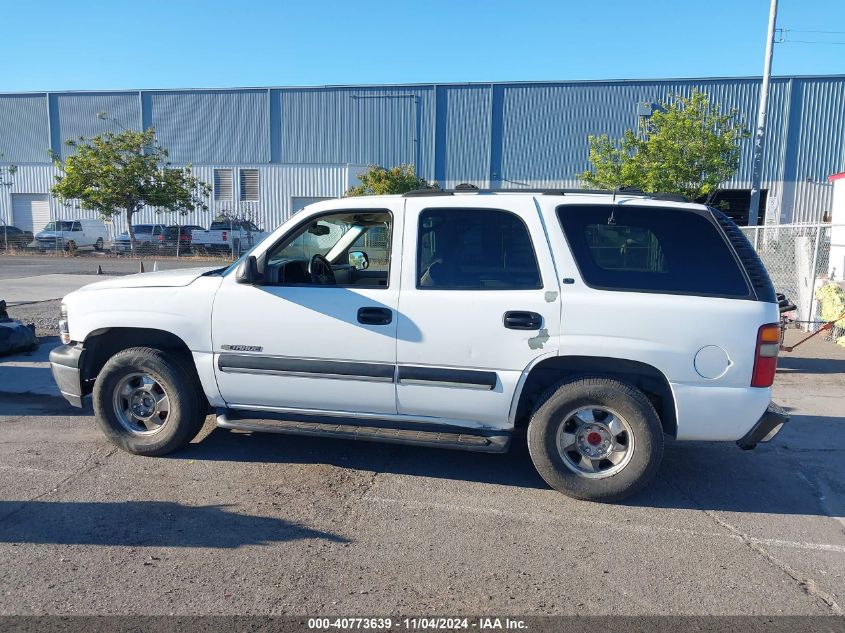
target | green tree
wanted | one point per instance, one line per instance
(377, 181)
(688, 146)
(115, 173)
(6, 173)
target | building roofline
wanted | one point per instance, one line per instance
(428, 85)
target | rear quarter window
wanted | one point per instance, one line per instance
(648, 249)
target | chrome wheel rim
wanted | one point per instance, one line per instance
(141, 404)
(595, 442)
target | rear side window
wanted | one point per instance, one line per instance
(646, 249)
(475, 249)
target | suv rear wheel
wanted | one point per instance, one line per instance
(598, 439)
(148, 402)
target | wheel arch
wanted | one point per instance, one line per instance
(101, 344)
(552, 370)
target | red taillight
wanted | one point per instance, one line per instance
(225, 236)
(161, 238)
(766, 355)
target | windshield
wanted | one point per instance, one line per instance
(58, 226)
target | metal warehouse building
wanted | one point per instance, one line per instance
(270, 151)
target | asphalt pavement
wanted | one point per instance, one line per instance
(270, 524)
(30, 265)
(28, 279)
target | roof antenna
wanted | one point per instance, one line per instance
(611, 220)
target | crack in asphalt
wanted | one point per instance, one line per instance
(806, 584)
(88, 465)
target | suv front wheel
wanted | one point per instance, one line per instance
(148, 402)
(598, 439)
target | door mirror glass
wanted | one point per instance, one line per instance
(247, 272)
(359, 260)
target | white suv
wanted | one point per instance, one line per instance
(451, 319)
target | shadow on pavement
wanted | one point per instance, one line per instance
(806, 365)
(513, 468)
(781, 477)
(143, 523)
(772, 479)
(35, 405)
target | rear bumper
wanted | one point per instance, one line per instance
(769, 425)
(64, 363)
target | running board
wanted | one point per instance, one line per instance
(454, 437)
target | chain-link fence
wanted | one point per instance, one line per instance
(797, 257)
(224, 239)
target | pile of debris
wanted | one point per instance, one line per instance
(14, 335)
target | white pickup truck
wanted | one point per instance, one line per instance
(595, 324)
(236, 236)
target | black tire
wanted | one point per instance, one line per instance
(187, 404)
(554, 410)
(98, 245)
(70, 247)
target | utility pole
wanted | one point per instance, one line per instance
(759, 135)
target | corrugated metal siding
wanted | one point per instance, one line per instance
(212, 127)
(533, 133)
(39, 179)
(24, 132)
(545, 127)
(278, 185)
(75, 115)
(467, 135)
(820, 145)
(357, 125)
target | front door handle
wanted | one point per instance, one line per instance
(519, 320)
(375, 316)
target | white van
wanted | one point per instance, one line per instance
(73, 234)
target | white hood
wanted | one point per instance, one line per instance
(160, 279)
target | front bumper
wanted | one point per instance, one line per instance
(49, 243)
(769, 425)
(65, 363)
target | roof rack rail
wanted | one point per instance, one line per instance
(427, 192)
(566, 192)
(669, 197)
(623, 191)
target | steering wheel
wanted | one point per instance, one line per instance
(321, 271)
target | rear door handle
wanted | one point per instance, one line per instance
(518, 320)
(375, 316)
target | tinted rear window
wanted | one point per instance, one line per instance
(646, 249)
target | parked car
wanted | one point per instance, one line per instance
(70, 235)
(148, 238)
(596, 323)
(184, 233)
(13, 237)
(227, 236)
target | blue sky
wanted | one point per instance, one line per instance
(87, 44)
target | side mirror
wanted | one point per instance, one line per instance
(359, 260)
(247, 272)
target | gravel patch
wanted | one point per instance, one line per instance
(44, 314)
